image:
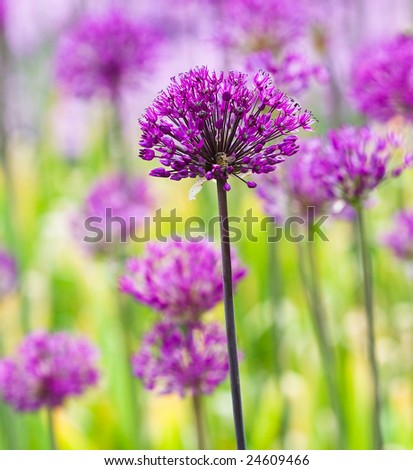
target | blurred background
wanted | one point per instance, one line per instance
(58, 140)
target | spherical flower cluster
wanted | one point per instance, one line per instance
(213, 125)
(47, 369)
(255, 25)
(180, 279)
(356, 161)
(292, 71)
(382, 79)
(297, 188)
(115, 207)
(400, 239)
(184, 360)
(8, 273)
(106, 52)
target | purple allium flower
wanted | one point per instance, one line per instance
(356, 161)
(184, 360)
(255, 25)
(8, 273)
(180, 279)
(400, 239)
(295, 188)
(292, 72)
(383, 79)
(213, 125)
(47, 369)
(106, 52)
(116, 206)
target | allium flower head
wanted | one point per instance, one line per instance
(47, 369)
(116, 206)
(106, 52)
(180, 279)
(213, 125)
(296, 188)
(183, 360)
(356, 161)
(383, 79)
(8, 273)
(400, 239)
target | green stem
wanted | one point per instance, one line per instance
(52, 433)
(199, 421)
(369, 310)
(319, 320)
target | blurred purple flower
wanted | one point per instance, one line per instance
(383, 79)
(180, 279)
(292, 72)
(8, 273)
(115, 206)
(400, 238)
(356, 161)
(295, 188)
(47, 369)
(184, 360)
(213, 125)
(106, 52)
(256, 25)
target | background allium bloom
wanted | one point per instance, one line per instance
(116, 205)
(47, 369)
(180, 279)
(8, 273)
(183, 360)
(383, 79)
(295, 188)
(255, 25)
(293, 72)
(356, 161)
(106, 52)
(214, 125)
(400, 239)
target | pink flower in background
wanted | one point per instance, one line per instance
(47, 369)
(106, 52)
(8, 273)
(382, 84)
(400, 238)
(183, 360)
(293, 72)
(256, 25)
(295, 188)
(180, 279)
(356, 161)
(114, 209)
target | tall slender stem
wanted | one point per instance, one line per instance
(199, 420)
(230, 317)
(369, 310)
(50, 424)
